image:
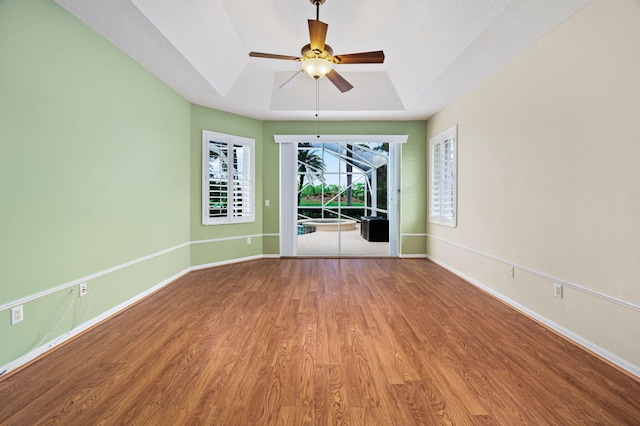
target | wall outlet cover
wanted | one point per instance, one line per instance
(557, 290)
(17, 314)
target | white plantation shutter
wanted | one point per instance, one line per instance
(242, 182)
(228, 179)
(218, 180)
(443, 182)
(449, 179)
(436, 183)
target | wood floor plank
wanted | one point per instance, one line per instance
(319, 342)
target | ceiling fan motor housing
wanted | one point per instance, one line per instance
(327, 54)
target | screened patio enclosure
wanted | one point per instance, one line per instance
(339, 184)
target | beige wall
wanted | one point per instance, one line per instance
(549, 179)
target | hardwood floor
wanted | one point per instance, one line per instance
(320, 341)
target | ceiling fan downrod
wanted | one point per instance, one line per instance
(317, 4)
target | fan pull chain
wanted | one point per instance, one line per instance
(318, 104)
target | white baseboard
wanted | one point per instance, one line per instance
(237, 260)
(579, 340)
(28, 357)
(271, 256)
(25, 359)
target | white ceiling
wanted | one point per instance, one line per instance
(435, 49)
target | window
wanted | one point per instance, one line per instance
(443, 150)
(227, 179)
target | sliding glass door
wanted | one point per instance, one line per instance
(343, 191)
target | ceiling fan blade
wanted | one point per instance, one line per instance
(339, 81)
(317, 34)
(272, 56)
(289, 83)
(376, 57)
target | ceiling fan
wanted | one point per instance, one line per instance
(317, 57)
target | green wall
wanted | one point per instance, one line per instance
(226, 242)
(100, 178)
(94, 171)
(216, 243)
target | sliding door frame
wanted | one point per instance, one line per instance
(288, 183)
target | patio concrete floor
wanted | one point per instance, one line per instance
(351, 244)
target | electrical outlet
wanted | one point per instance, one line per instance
(84, 290)
(557, 290)
(17, 314)
(511, 271)
(266, 203)
(248, 240)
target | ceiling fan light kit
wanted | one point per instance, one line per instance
(317, 67)
(317, 57)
